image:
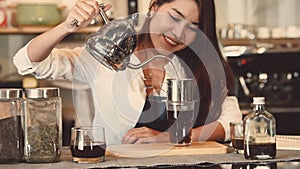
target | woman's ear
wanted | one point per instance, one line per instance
(153, 4)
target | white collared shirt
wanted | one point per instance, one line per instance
(112, 91)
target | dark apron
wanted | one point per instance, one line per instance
(154, 114)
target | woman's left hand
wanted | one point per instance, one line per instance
(144, 135)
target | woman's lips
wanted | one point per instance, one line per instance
(170, 41)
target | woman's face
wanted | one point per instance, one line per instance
(174, 25)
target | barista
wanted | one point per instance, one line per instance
(171, 28)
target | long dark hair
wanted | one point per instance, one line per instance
(208, 112)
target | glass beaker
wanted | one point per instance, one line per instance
(180, 117)
(180, 108)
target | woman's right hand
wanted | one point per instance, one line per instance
(83, 12)
(41, 46)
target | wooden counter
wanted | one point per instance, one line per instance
(208, 160)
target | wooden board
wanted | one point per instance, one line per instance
(288, 142)
(164, 149)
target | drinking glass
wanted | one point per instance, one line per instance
(88, 144)
(237, 137)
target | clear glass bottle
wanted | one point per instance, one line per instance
(43, 125)
(11, 130)
(259, 132)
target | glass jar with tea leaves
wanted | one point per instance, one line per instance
(43, 125)
(11, 133)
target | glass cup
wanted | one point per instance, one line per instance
(88, 144)
(237, 137)
(181, 119)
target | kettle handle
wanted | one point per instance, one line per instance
(101, 12)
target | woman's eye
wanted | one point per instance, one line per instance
(176, 19)
(190, 26)
(193, 27)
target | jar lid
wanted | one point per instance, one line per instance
(45, 92)
(10, 93)
(258, 100)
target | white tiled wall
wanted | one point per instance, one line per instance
(143, 5)
(272, 13)
(9, 46)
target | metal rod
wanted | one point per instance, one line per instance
(103, 14)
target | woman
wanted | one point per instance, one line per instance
(119, 110)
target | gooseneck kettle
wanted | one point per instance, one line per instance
(114, 42)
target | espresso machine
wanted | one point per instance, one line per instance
(274, 75)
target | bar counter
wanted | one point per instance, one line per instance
(289, 159)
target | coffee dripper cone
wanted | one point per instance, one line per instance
(180, 90)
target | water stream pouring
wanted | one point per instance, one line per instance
(114, 42)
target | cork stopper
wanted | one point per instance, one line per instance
(258, 100)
